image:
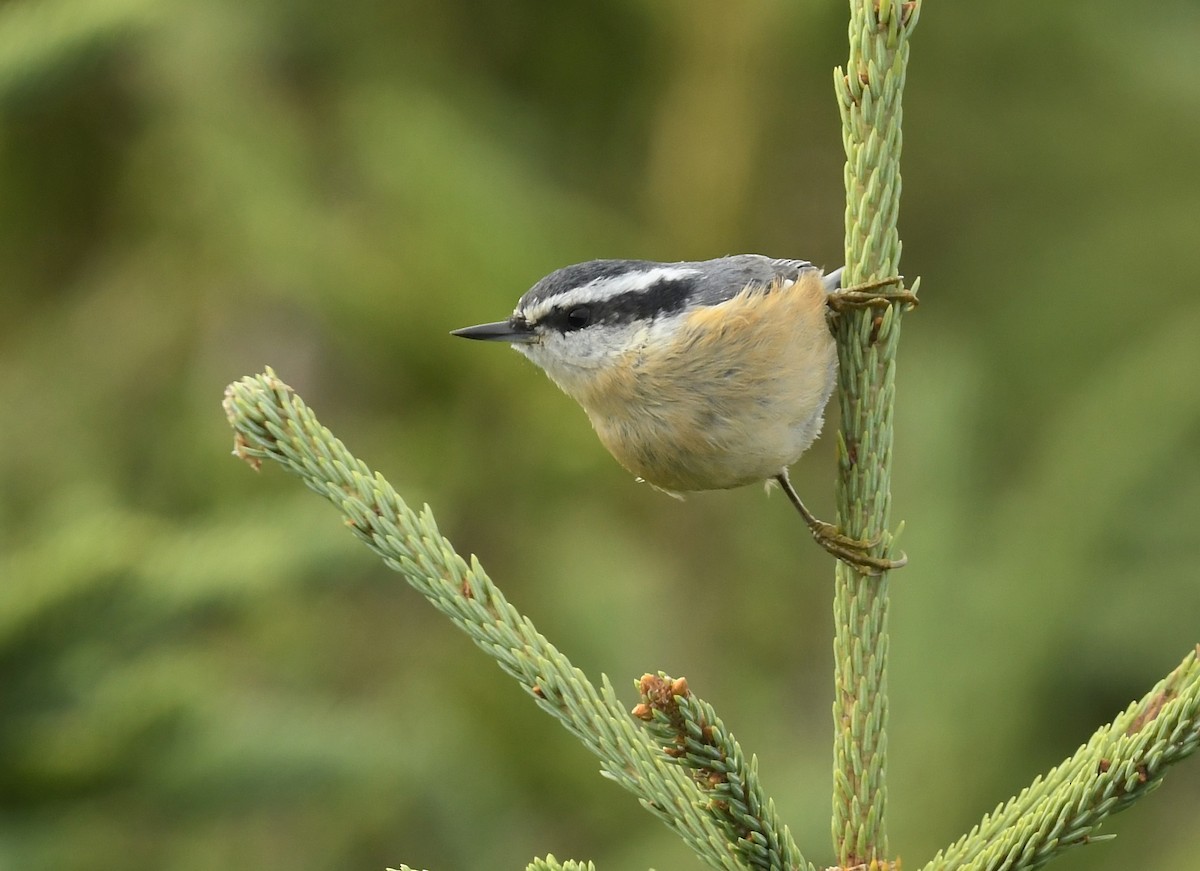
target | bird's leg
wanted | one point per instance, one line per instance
(852, 551)
(871, 294)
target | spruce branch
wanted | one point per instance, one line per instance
(869, 95)
(271, 422)
(1122, 762)
(691, 734)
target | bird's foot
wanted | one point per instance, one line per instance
(855, 552)
(874, 294)
(852, 551)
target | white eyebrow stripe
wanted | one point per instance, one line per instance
(631, 281)
(603, 289)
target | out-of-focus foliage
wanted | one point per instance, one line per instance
(200, 669)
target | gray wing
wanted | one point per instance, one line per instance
(725, 277)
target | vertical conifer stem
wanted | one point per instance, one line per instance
(869, 96)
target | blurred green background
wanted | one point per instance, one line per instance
(200, 668)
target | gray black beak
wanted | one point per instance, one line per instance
(502, 331)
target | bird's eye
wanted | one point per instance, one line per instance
(579, 317)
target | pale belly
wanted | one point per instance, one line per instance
(697, 445)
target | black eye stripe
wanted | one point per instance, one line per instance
(663, 297)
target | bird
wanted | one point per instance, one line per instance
(695, 375)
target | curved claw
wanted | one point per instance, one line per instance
(871, 294)
(854, 551)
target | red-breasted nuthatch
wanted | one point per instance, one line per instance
(696, 375)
